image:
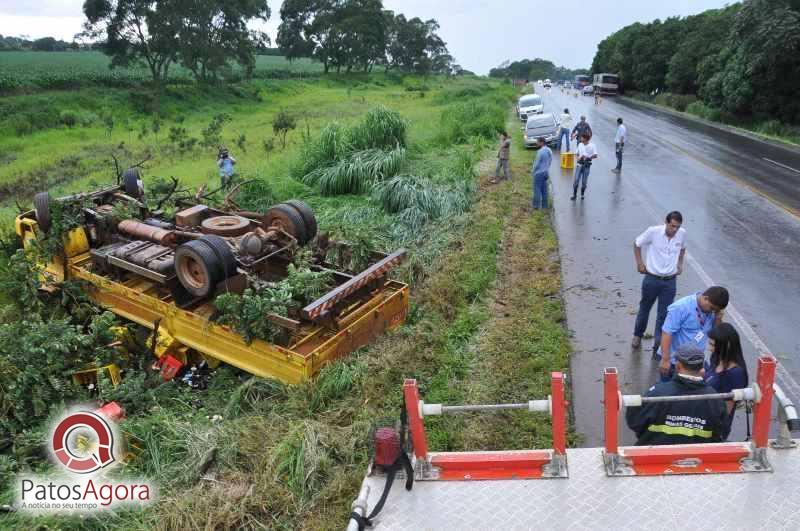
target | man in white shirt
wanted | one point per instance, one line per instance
(566, 127)
(619, 143)
(586, 154)
(666, 247)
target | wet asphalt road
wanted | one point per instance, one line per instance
(736, 237)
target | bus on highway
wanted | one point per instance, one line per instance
(607, 84)
(582, 81)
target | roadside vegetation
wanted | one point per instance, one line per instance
(385, 162)
(733, 65)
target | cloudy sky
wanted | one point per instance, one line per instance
(479, 33)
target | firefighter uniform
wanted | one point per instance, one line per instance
(690, 422)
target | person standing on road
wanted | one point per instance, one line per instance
(541, 174)
(619, 143)
(580, 129)
(225, 163)
(502, 157)
(726, 370)
(566, 126)
(586, 154)
(680, 422)
(689, 320)
(666, 248)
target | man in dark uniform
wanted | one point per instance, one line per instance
(689, 422)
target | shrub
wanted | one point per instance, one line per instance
(282, 124)
(702, 110)
(68, 118)
(482, 118)
(381, 128)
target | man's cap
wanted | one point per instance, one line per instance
(690, 356)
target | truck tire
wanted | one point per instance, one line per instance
(198, 268)
(132, 183)
(289, 219)
(41, 206)
(223, 252)
(308, 217)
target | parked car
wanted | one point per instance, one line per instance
(547, 83)
(544, 125)
(588, 90)
(529, 105)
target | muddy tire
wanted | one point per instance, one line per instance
(132, 183)
(308, 216)
(224, 254)
(198, 268)
(289, 219)
(41, 206)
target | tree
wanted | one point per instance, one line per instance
(293, 40)
(137, 31)
(215, 32)
(282, 124)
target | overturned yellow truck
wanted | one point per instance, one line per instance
(164, 272)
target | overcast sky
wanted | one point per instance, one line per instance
(479, 33)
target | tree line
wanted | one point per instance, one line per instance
(45, 44)
(208, 36)
(534, 69)
(360, 34)
(742, 59)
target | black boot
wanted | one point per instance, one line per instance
(574, 194)
(583, 191)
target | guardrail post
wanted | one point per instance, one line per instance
(558, 413)
(415, 423)
(762, 411)
(611, 410)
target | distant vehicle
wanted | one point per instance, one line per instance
(606, 84)
(547, 83)
(582, 81)
(544, 125)
(588, 90)
(539, 82)
(528, 105)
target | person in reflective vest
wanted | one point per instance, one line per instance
(686, 422)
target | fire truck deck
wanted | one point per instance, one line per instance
(591, 500)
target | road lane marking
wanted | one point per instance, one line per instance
(784, 166)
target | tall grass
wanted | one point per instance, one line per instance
(358, 172)
(381, 128)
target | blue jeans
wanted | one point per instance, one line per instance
(654, 288)
(581, 176)
(618, 149)
(540, 190)
(564, 131)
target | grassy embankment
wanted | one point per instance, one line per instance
(485, 326)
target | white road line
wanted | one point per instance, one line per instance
(781, 165)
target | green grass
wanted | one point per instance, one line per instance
(70, 70)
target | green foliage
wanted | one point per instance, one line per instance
(246, 313)
(282, 124)
(334, 381)
(68, 118)
(473, 118)
(212, 133)
(535, 69)
(381, 128)
(36, 358)
(357, 172)
(256, 196)
(64, 217)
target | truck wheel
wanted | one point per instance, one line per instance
(289, 219)
(223, 252)
(308, 217)
(198, 268)
(132, 183)
(41, 206)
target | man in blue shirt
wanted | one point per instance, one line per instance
(225, 163)
(541, 173)
(689, 320)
